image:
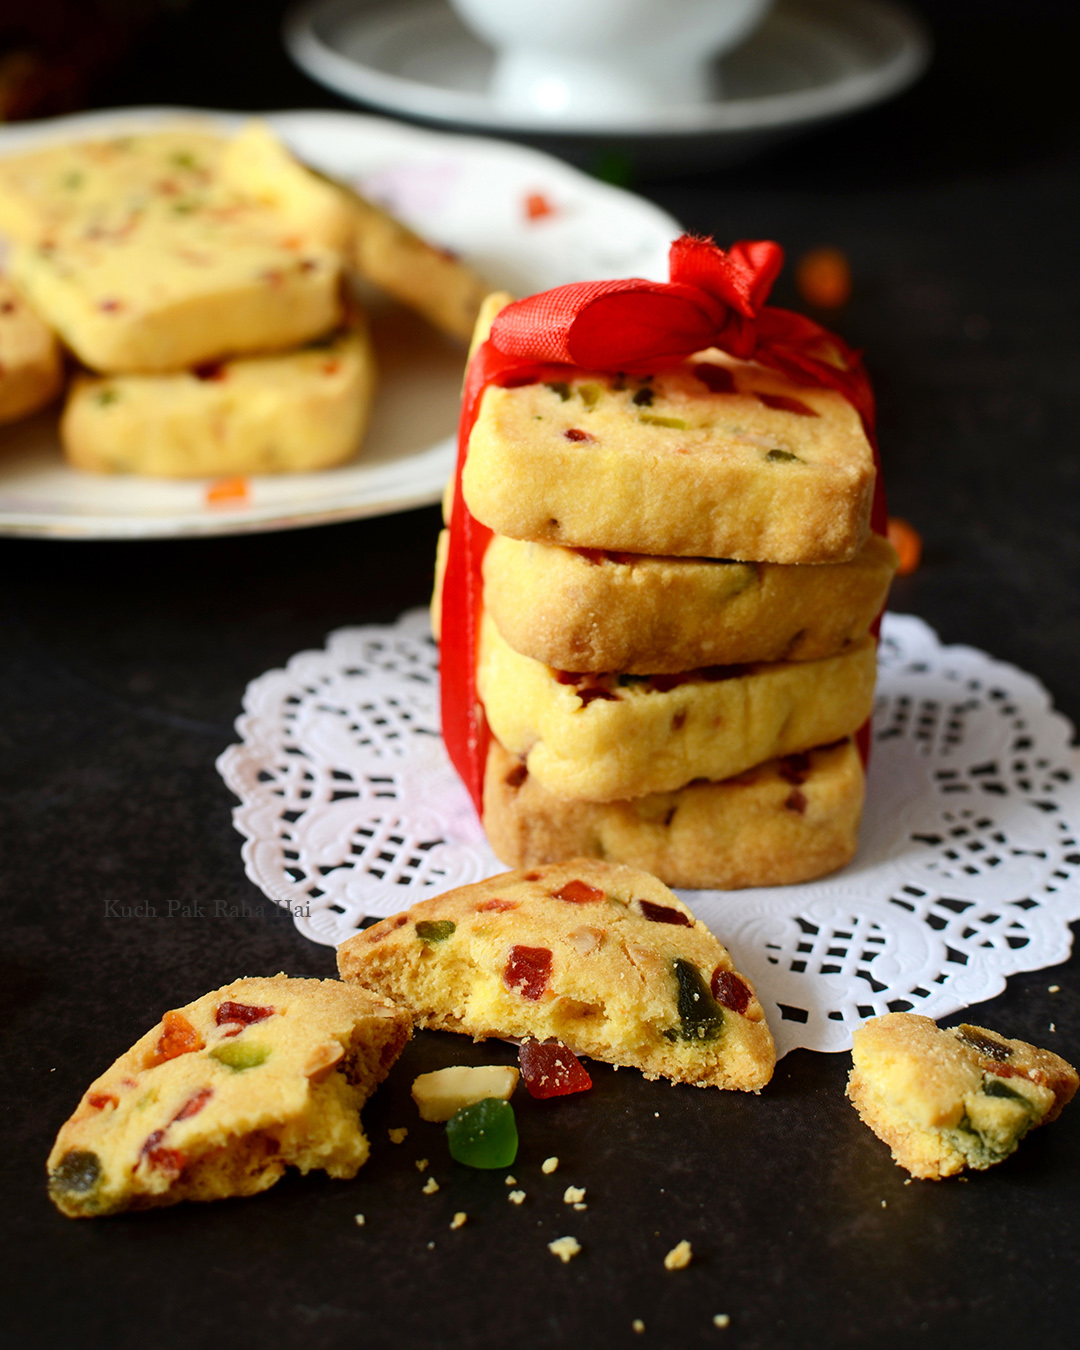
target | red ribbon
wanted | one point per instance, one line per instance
(714, 299)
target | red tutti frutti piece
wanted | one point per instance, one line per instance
(178, 1037)
(194, 1104)
(782, 403)
(729, 991)
(527, 971)
(496, 906)
(237, 1016)
(168, 1160)
(579, 893)
(551, 1069)
(664, 914)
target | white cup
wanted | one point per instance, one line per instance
(606, 62)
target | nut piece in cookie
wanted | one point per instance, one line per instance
(603, 958)
(222, 1094)
(946, 1099)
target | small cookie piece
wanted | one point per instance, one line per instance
(31, 371)
(604, 738)
(712, 458)
(586, 609)
(784, 822)
(290, 413)
(604, 959)
(222, 1094)
(946, 1099)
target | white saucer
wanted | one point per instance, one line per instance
(468, 194)
(810, 61)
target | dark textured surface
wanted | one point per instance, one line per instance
(123, 665)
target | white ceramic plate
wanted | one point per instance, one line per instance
(466, 194)
(811, 60)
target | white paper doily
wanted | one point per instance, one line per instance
(968, 868)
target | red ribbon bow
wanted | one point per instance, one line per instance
(714, 299)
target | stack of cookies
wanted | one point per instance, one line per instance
(675, 652)
(198, 281)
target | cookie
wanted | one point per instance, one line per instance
(607, 737)
(605, 959)
(168, 292)
(102, 184)
(712, 458)
(290, 413)
(784, 822)
(31, 371)
(433, 281)
(946, 1099)
(585, 609)
(226, 1092)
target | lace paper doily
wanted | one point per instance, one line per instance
(968, 868)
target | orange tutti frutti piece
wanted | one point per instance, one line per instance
(227, 492)
(178, 1037)
(823, 278)
(537, 206)
(907, 541)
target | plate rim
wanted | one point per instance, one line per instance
(273, 516)
(719, 118)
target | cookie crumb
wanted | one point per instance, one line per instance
(430, 1186)
(565, 1248)
(549, 1165)
(421, 1164)
(398, 1136)
(656, 1114)
(458, 1221)
(1054, 989)
(510, 1181)
(721, 1320)
(638, 1325)
(516, 1197)
(1053, 1027)
(431, 1246)
(679, 1257)
(359, 1220)
(884, 1204)
(579, 1205)
(573, 1195)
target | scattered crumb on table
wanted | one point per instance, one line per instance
(510, 1181)
(565, 1248)
(421, 1164)
(549, 1165)
(721, 1320)
(458, 1220)
(359, 1220)
(397, 1136)
(679, 1257)
(516, 1197)
(638, 1325)
(1054, 989)
(430, 1186)
(579, 1205)
(573, 1195)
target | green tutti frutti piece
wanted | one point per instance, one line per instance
(559, 387)
(701, 1018)
(483, 1134)
(590, 394)
(435, 930)
(77, 1173)
(783, 457)
(676, 423)
(241, 1055)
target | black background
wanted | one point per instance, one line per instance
(122, 667)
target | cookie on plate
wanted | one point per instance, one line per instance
(169, 291)
(604, 959)
(288, 413)
(778, 824)
(587, 609)
(31, 371)
(946, 1099)
(608, 737)
(712, 458)
(103, 184)
(226, 1092)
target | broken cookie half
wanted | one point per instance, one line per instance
(603, 958)
(223, 1094)
(946, 1099)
